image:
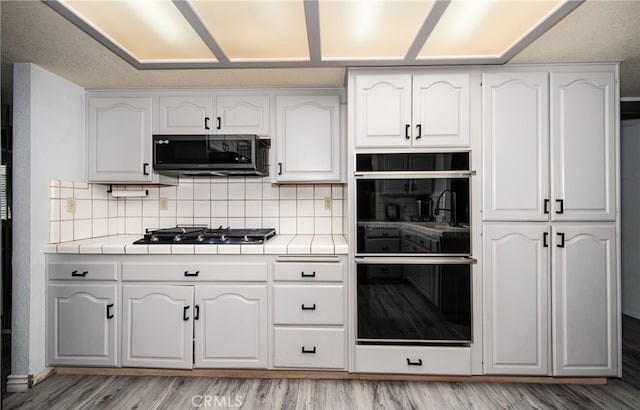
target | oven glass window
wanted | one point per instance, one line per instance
(414, 303)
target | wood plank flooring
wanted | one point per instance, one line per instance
(68, 391)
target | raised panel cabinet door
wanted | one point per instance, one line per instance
(584, 302)
(242, 114)
(231, 326)
(157, 326)
(83, 325)
(308, 138)
(583, 135)
(516, 304)
(383, 110)
(186, 114)
(441, 110)
(515, 146)
(120, 139)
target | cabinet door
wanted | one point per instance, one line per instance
(242, 114)
(515, 146)
(82, 325)
(583, 133)
(120, 139)
(231, 326)
(157, 326)
(585, 312)
(308, 133)
(185, 114)
(516, 313)
(441, 110)
(383, 110)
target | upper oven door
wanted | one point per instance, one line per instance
(413, 203)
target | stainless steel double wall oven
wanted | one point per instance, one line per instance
(413, 248)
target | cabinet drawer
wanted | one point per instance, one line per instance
(413, 359)
(300, 347)
(83, 271)
(312, 305)
(312, 272)
(194, 272)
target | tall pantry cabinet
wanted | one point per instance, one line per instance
(549, 222)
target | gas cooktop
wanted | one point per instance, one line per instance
(203, 235)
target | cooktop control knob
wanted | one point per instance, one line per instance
(223, 238)
(245, 239)
(154, 238)
(177, 238)
(200, 238)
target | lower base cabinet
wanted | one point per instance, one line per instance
(226, 326)
(303, 347)
(83, 325)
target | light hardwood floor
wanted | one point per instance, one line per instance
(66, 391)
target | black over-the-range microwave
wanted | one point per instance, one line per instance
(214, 155)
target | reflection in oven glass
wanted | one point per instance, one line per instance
(414, 303)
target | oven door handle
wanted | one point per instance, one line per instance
(381, 260)
(412, 174)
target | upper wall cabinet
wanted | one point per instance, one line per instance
(119, 133)
(213, 114)
(539, 168)
(308, 138)
(405, 110)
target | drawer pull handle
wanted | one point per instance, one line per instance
(76, 273)
(410, 363)
(109, 314)
(184, 313)
(187, 273)
(309, 307)
(308, 275)
(312, 351)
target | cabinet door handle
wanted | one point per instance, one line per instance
(406, 131)
(308, 275)
(561, 242)
(546, 206)
(304, 307)
(145, 171)
(81, 274)
(109, 314)
(218, 123)
(206, 123)
(545, 243)
(419, 127)
(561, 203)
(187, 273)
(279, 168)
(184, 313)
(410, 363)
(312, 351)
(196, 313)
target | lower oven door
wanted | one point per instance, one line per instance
(414, 301)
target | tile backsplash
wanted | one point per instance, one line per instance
(78, 210)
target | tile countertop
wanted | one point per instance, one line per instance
(278, 245)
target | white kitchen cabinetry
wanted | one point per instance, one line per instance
(575, 327)
(157, 326)
(309, 314)
(83, 324)
(584, 301)
(516, 299)
(231, 326)
(538, 168)
(212, 113)
(82, 311)
(412, 110)
(119, 140)
(308, 138)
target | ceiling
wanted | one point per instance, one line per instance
(33, 32)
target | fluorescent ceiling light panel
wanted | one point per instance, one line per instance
(256, 30)
(148, 30)
(485, 28)
(370, 29)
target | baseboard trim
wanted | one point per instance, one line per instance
(18, 383)
(329, 375)
(37, 378)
